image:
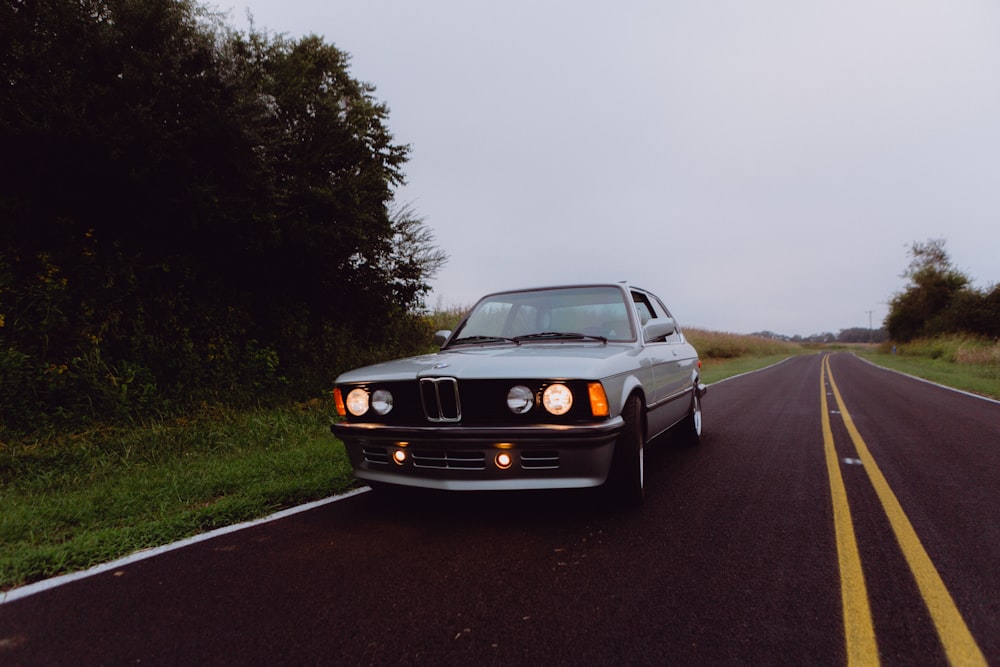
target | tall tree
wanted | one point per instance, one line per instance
(190, 208)
(921, 309)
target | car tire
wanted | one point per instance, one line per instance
(626, 483)
(690, 429)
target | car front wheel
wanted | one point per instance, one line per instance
(626, 481)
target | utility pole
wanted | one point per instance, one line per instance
(869, 326)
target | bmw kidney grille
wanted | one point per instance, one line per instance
(440, 399)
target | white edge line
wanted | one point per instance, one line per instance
(931, 382)
(756, 370)
(46, 584)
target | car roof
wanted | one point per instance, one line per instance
(540, 288)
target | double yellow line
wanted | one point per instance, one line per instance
(862, 648)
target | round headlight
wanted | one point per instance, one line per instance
(357, 402)
(520, 399)
(557, 399)
(382, 402)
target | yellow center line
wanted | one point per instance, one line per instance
(959, 645)
(859, 633)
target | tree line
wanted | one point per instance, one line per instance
(939, 299)
(190, 212)
(852, 335)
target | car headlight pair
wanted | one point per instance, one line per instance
(358, 402)
(557, 399)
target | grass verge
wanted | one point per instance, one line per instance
(966, 363)
(68, 503)
(714, 370)
(724, 355)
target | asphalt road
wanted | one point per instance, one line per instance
(737, 555)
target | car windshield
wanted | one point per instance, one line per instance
(587, 313)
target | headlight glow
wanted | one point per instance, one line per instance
(520, 399)
(357, 402)
(557, 399)
(382, 402)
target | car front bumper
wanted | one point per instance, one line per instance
(466, 458)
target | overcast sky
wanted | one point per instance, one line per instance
(760, 165)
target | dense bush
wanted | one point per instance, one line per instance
(939, 299)
(189, 213)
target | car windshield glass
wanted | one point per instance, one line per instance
(599, 313)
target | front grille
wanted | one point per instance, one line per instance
(376, 455)
(540, 460)
(439, 397)
(442, 458)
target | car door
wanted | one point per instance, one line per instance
(685, 367)
(659, 356)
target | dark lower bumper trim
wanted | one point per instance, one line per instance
(553, 433)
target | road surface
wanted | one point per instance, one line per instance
(835, 513)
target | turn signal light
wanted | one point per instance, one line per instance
(598, 400)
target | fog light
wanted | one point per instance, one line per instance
(503, 460)
(399, 456)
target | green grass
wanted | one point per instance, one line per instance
(71, 502)
(962, 362)
(724, 355)
(714, 370)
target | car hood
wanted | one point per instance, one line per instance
(547, 360)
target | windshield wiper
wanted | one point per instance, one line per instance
(553, 335)
(484, 339)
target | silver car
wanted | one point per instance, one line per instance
(556, 387)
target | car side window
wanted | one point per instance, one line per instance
(645, 310)
(649, 307)
(661, 311)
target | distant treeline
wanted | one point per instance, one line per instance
(853, 335)
(189, 212)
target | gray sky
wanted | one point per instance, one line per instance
(760, 165)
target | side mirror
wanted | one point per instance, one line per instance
(441, 337)
(660, 328)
